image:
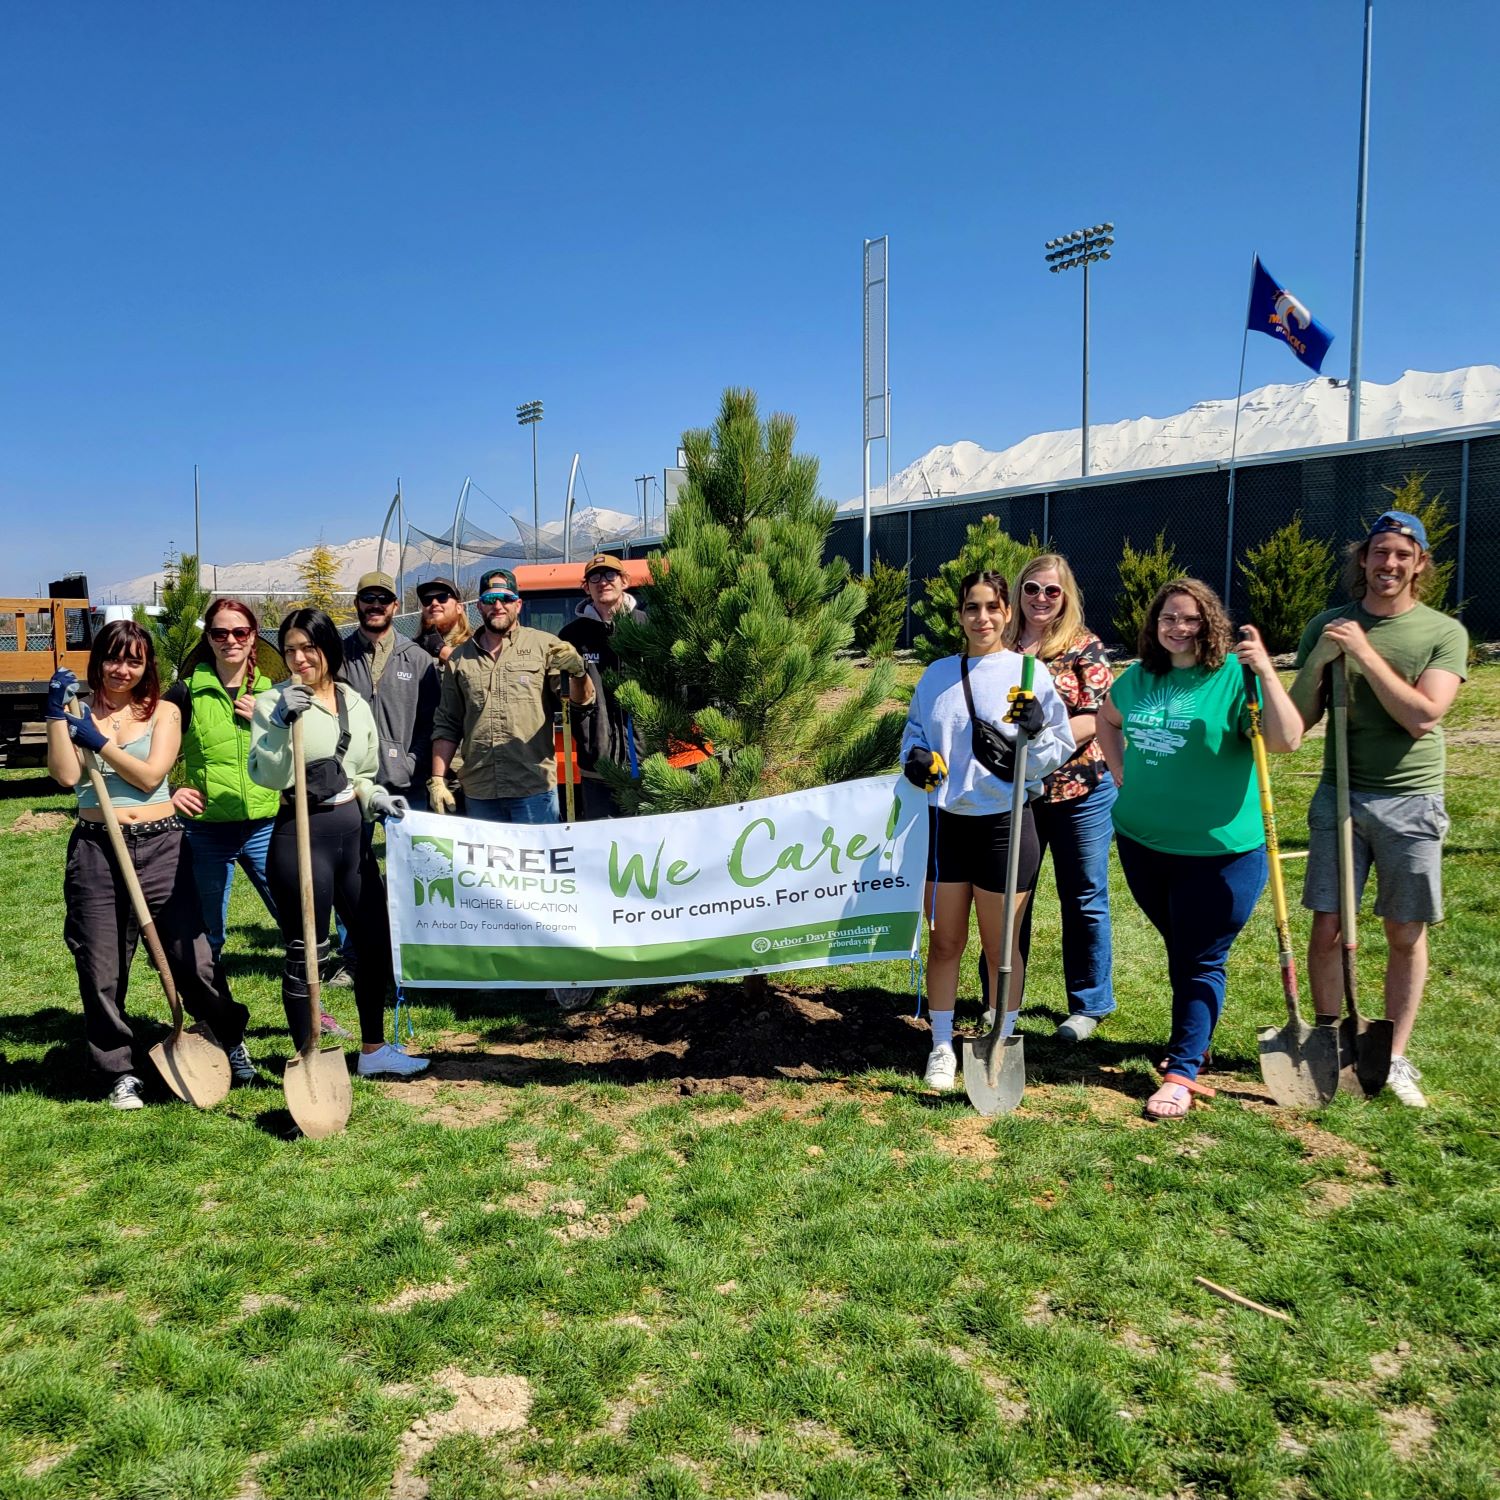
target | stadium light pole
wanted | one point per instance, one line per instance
(1357, 317)
(1082, 247)
(528, 414)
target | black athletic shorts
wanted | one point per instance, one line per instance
(970, 850)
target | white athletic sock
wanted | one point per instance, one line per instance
(1008, 1023)
(942, 1027)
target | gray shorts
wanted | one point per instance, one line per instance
(1402, 836)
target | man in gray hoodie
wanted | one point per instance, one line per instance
(604, 730)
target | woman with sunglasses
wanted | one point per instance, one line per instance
(135, 733)
(1073, 813)
(340, 748)
(227, 816)
(959, 747)
(1187, 821)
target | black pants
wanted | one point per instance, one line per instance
(345, 880)
(101, 932)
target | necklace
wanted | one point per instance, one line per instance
(110, 713)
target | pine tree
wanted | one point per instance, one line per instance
(1288, 579)
(878, 627)
(742, 640)
(176, 629)
(986, 548)
(1141, 575)
(318, 573)
(1411, 496)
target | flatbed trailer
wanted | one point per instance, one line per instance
(37, 636)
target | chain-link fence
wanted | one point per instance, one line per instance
(1337, 494)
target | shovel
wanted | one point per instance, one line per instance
(318, 1091)
(192, 1062)
(995, 1067)
(567, 718)
(1299, 1063)
(1364, 1046)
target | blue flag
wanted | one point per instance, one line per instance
(1275, 312)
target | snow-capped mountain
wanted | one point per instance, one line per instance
(1272, 419)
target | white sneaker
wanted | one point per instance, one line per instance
(942, 1068)
(126, 1094)
(568, 997)
(1402, 1082)
(391, 1061)
(1077, 1028)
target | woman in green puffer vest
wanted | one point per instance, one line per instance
(227, 817)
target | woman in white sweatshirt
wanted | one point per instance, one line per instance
(969, 799)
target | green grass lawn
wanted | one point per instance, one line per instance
(528, 1282)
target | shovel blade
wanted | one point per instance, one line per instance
(318, 1092)
(1364, 1055)
(194, 1067)
(1010, 1074)
(1300, 1064)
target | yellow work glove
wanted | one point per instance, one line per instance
(439, 798)
(925, 769)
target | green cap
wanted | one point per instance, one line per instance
(495, 578)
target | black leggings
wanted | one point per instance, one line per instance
(345, 879)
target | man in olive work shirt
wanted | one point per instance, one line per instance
(1403, 663)
(497, 704)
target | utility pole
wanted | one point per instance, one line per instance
(197, 537)
(1357, 317)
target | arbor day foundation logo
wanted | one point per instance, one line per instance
(432, 871)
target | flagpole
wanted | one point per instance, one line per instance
(1357, 317)
(1234, 442)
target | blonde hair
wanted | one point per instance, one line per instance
(1068, 625)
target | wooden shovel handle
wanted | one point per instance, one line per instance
(144, 920)
(1348, 907)
(305, 887)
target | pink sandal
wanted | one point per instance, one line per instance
(1177, 1108)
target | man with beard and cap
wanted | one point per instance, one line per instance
(1403, 663)
(605, 732)
(445, 621)
(496, 710)
(399, 680)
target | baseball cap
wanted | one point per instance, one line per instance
(376, 580)
(432, 585)
(498, 578)
(602, 560)
(1403, 524)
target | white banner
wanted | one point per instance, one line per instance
(828, 876)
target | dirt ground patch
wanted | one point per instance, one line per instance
(483, 1406)
(412, 1295)
(40, 822)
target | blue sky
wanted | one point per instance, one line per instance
(312, 247)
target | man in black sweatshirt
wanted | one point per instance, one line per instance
(603, 730)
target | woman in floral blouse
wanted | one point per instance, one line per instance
(1073, 815)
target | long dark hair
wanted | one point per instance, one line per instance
(321, 631)
(1214, 636)
(985, 575)
(124, 638)
(203, 652)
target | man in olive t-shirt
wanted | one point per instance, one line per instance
(1403, 663)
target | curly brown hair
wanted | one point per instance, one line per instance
(1215, 635)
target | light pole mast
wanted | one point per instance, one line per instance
(528, 414)
(1081, 248)
(1357, 317)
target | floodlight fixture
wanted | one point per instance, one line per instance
(528, 414)
(1082, 247)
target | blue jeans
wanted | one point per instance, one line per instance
(1198, 903)
(540, 807)
(217, 847)
(1079, 832)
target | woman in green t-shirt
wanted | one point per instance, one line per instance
(1187, 821)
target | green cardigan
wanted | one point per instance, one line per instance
(216, 750)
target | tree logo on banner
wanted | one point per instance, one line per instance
(432, 871)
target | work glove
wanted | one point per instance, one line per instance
(295, 700)
(86, 733)
(439, 798)
(384, 804)
(61, 691)
(925, 769)
(1025, 713)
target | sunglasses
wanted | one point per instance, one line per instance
(222, 633)
(1032, 589)
(603, 575)
(437, 596)
(499, 596)
(382, 599)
